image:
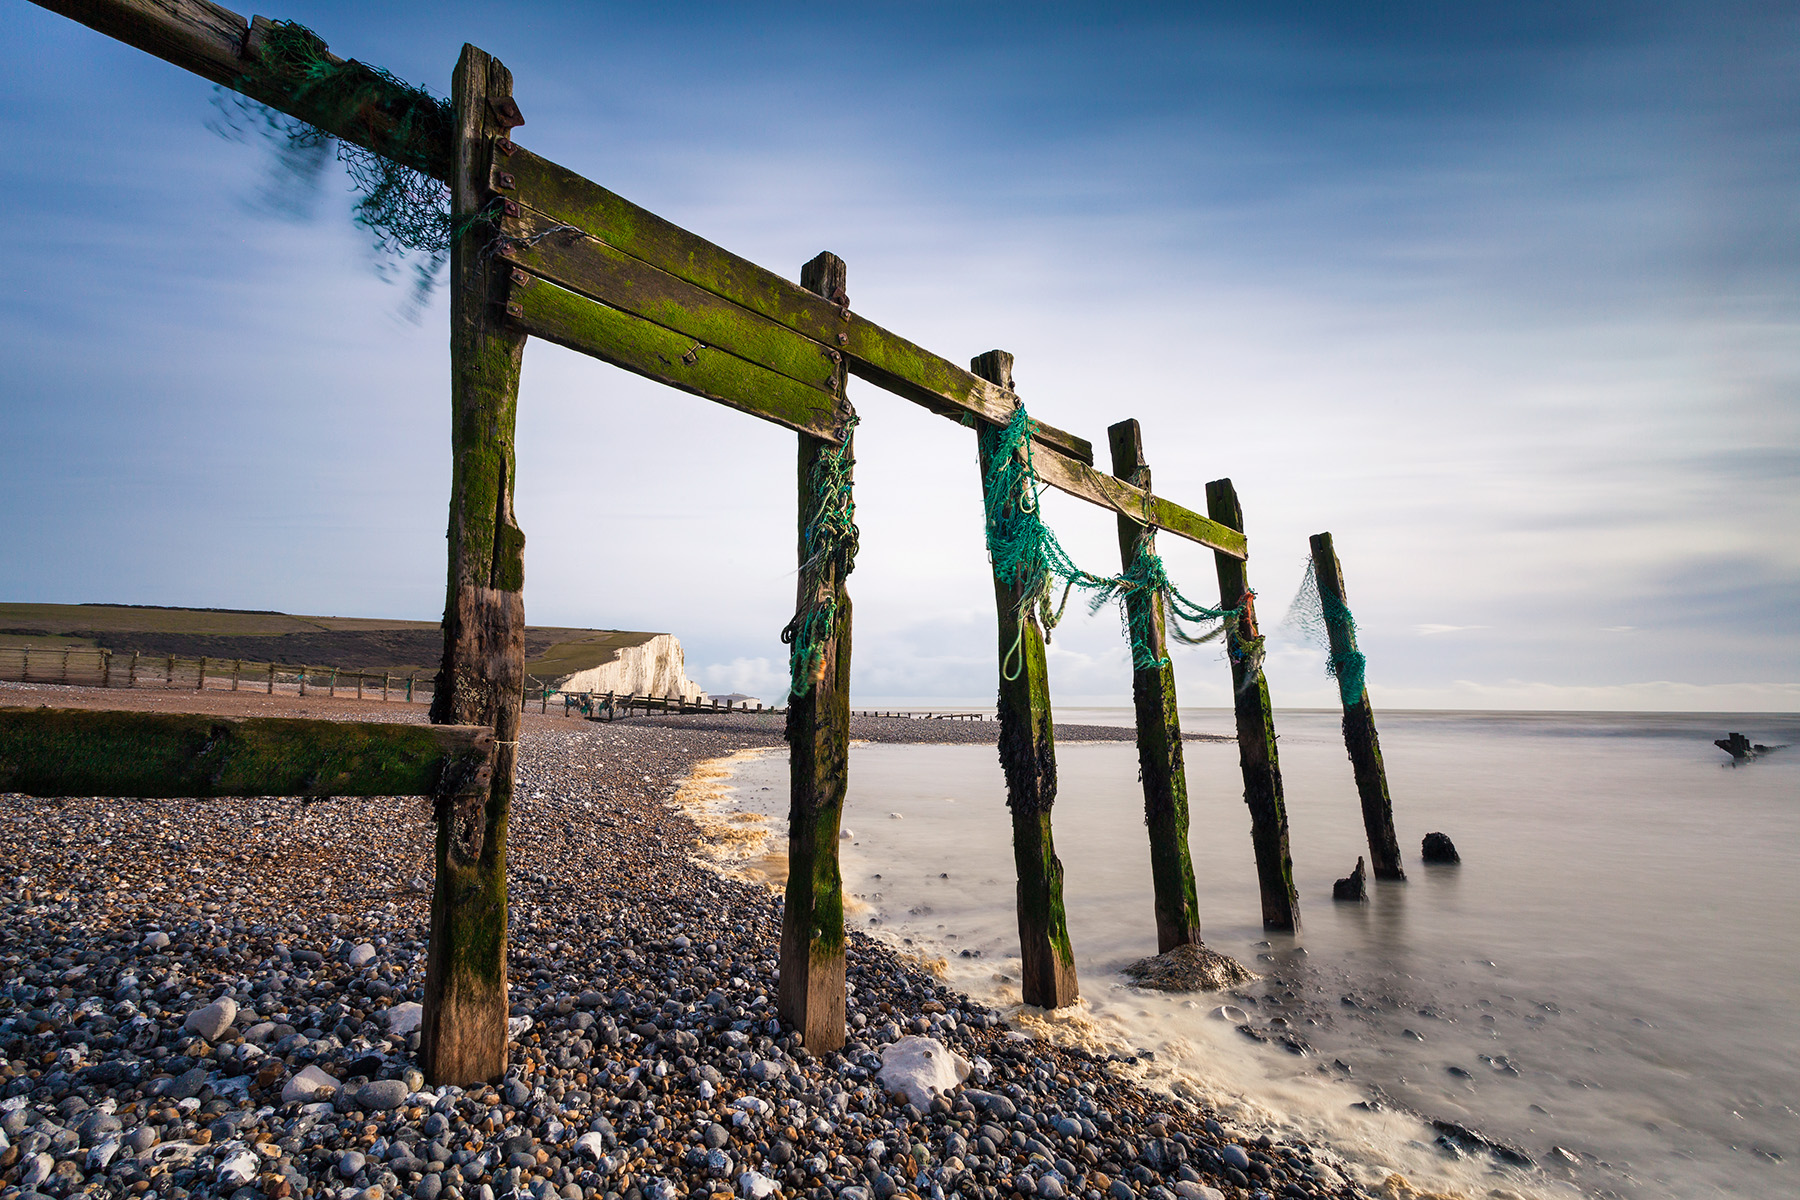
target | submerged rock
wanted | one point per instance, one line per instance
(1354, 886)
(1189, 968)
(1438, 848)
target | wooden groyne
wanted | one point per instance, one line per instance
(538, 251)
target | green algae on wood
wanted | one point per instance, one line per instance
(1360, 739)
(463, 1035)
(1160, 765)
(676, 359)
(84, 752)
(1028, 758)
(1257, 755)
(811, 997)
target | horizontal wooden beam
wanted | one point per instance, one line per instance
(572, 259)
(679, 360)
(1079, 479)
(874, 354)
(83, 752)
(211, 41)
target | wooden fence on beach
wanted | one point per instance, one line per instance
(538, 251)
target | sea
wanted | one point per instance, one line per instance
(1601, 999)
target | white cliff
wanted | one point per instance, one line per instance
(654, 666)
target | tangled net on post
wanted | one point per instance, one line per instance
(1026, 553)
(1325, 621)
(406, 210)
(830, 541)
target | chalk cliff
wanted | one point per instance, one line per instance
(645, 663)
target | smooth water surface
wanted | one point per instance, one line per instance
(1608, 981)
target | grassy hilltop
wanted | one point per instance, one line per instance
(352, 643)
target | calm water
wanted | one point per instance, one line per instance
(1609, 981)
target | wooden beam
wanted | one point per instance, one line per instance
(812, 992)
(874, 354)
(84, 752)
(1160, 764)
(1138, 504)
(481, 681)
(1028, 758)
(677, 359)
(217, 44)
(573, 260)
(1360, 739)
(1257, 755)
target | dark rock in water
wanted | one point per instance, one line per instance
(1438, 848)
(1188, 968)
(1461, 1137)
(1356, 885)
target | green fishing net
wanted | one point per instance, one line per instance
(1325, 621)
(829, 541)
(1026, 554)
(404, 208)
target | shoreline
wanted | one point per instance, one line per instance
(647, 1067)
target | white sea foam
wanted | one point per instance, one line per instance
(1589, 947)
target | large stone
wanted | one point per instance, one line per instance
(1438, 848)
(920, 1068)
(381, 1095)
(362, 954)
(405, 1018)
(1188, 968)
(213, 1020)
(308, 1085)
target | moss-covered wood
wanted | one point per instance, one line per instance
(677, 359)
(1096, 487)
(811, 994)
(1028, 758)
(83, 752)
(573, 260)
(1257, 753)
(483, 672)
(1160, 765)
(1360, 739)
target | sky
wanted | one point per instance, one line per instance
(1502, 295)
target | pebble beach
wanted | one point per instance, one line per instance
(219, 998)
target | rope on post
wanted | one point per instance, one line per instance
(1024, 550)
(831, 539)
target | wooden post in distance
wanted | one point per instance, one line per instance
(1028, 756)
(1255, 729)
(1359, 724)
(811, 995)
(1160, 764)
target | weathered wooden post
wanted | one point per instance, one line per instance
(303, 669)
(1359, 716)
(200, 686)
(1160, 763)
(271, 678)
(1255, 725)
(131, 679)
(106, 668)
(483, 674)
(65, 663)
(811, 996)
(169, 672)
(237, 668)
(1028, 757)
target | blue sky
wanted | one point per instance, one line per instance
(1505, 296)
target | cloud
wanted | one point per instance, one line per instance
(1434, 630)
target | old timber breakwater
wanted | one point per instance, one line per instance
(220, 923)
